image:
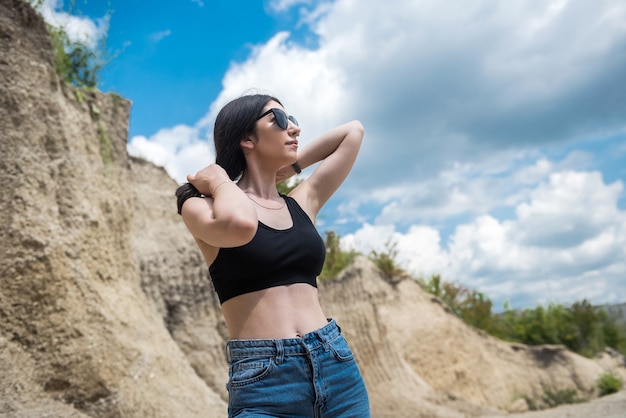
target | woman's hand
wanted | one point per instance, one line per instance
(227, 218)
(208, 179)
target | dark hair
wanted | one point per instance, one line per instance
(234, 122)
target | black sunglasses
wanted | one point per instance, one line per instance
(281, 118)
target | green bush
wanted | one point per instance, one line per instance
(336, 258)
(76, 63)
(386, 260)
(471, 306)
(609, 382)
(555, 398)
(581, 327)
(285, 187)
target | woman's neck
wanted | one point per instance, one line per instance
(263, 186)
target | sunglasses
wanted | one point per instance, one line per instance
(282, 120)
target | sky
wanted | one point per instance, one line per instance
(495, 132)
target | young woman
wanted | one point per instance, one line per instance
(264, 255)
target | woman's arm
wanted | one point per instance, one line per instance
(224, 219)
(337, 150)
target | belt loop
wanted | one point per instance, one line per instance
(323, 339)
(280, 351)
(227, 353)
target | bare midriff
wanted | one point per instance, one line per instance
(275, 313)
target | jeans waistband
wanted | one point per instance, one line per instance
(283, 347)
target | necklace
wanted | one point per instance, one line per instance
(266, 207)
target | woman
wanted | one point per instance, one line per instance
(264, 255)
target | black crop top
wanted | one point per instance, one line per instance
(274, 257)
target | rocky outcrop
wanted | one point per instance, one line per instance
(106, 309)
(174, 275)
(77, 333)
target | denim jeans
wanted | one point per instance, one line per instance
(312, 376)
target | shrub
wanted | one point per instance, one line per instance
(581, 327)
(560, 397)
(473, 307)
(285, 187)
(336, 258)
(609, 382)
(386, 260)
(75, 62)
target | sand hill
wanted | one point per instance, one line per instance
(105, 305)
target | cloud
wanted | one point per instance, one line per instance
(181, 150)
(473, 80)
(159, 36)
(278, 67)
(198, 2)
(278, 6)
(566, 242)
(568, 210)
(437, 85)
(78, 28)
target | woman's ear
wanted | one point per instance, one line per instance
(247, 144)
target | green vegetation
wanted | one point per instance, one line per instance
(609, 382)
(552, 399)
(580, 327)
(471, 306)
(117, 102)
(75, 62)
(106, 146)
(284, 187)
(386, 260)
(336, 258)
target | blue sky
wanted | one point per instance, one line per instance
(495, 147)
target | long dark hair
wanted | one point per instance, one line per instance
(234, 122)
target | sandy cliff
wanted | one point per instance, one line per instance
(106, 309)
(76, 331)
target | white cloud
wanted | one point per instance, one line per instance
(281, 68)
(180, 150)
(283, 5)
(467, 81)
(159, 36)
(78, 28)
(566, 212)
(567, 242)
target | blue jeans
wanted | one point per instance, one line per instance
(312, 376)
